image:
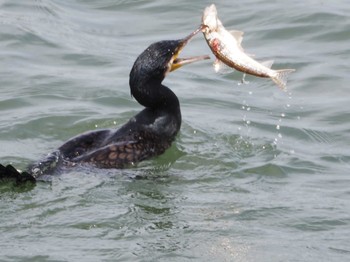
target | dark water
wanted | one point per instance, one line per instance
(256, 174)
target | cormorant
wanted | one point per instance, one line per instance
(147, 134)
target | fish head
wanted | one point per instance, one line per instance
(210, 19)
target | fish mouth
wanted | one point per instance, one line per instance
(176, 62)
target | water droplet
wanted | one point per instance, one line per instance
(278, 127)
(283, 115)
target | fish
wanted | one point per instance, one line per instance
(227, 48)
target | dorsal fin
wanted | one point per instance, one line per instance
(267, 63)
(238, 35)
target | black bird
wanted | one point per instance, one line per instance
(147, 134)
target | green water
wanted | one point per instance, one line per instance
(256, 174)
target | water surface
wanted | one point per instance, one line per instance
(256, 174)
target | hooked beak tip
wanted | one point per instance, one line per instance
(190, 36)
(179, 62)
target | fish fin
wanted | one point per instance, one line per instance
(238, 35)
(243, 81)
(221, 67)
(268, 63)
(280, 78)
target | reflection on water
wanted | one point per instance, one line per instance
(254, 173)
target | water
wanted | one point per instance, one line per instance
(256, 174)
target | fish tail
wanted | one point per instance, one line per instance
(281, 76)
(9, 173)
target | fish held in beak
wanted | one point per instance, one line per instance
(176, 62)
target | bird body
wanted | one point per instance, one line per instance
(147, 134)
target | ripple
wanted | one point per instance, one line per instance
(319, 224)
(48, 8)
(249, 160)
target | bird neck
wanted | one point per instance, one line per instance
(153, 94)
(162, 106)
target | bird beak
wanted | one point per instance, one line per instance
(179, 62)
